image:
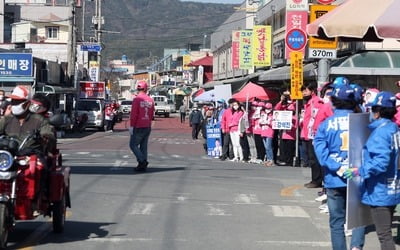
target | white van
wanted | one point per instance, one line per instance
(94, 108)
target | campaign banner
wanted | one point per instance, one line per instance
(262, 43)
(296, 75)
(245, 59)
(214, 142)
(16, 64)
(235, 49)
(282, 119)
(296, 36)
(357, 214)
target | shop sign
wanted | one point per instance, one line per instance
(296, 75)
(16, 64)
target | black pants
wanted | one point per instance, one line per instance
(259, 147)
(183, 115)
(227, 151)
(195, 130)
(245, 147)
(382, 218)
(286, 151)
(316, 170)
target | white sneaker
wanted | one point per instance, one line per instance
(323, 206)
(323, 197)
(324, 211)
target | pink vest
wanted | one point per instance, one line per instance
(234, 121)
(313, 117)
(266, 125)
(142, 111)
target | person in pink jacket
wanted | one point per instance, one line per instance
(141, 117)
(234, 132)
(226, 138)
(396, 117)
(260, 149)
(315, 112)
(267, 133)
(288, 143)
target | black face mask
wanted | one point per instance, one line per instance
(307, 98)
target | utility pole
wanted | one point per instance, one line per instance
(71, 50)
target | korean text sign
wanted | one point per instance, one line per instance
(296, 75)
(262, 45)
(16, 64)
(245, 59)
(95, 90)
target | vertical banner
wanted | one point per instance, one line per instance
(261, 45)
(296, 38)
(94, 71)
(245, 60)
(214, 141)
(185, 62)
(235, 49)
(296, 75)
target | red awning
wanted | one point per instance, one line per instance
(204, 61)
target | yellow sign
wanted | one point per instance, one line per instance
(261, 46)
(296, 74)
(317, 11)
(186, 61)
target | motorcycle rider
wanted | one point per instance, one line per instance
(22, 122)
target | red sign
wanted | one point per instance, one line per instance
(295, 20)
(235, 49)
(325, 1)
(92, 90)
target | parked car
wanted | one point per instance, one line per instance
(126, 106)
(94, 109)
(161, 105)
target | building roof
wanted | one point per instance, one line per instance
(204, 61)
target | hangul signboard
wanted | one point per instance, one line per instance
(296, 5)
(16, 64)
(296, 38)
(320, 48)
(214, 142)
(296, 75)
(92, 90)
(282, 119)
(235, 49)
(245, 59)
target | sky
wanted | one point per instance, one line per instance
(216, 1)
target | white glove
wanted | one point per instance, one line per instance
(131, 130)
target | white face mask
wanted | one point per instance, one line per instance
(18, 109)
(1, 97)
(36, 108)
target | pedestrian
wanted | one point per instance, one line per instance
(267, 133)
(195, 120)
(109, 117)
(331, 148)
(249, 133)
(315, 111)
(260, 149)
(182, 112)
(287, 147)
(379, 168)
(141, 117)
(226, 138)
(234, 132)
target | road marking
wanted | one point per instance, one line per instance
(96, 155)
(181, 197)
(126, 156)
(290, 191)
(142, 209)
(176, 156)
(217, 210)
(82, 153)
(297, 243)
(289, 211)
(116, 240)
(118, 164)
(250, 199)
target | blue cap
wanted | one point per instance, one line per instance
(358, 91)
(341, 80)
(221, 101)
(384, 99)
(343, 92)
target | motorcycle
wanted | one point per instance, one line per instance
(31, 185)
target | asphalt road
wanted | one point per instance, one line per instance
(184, 201)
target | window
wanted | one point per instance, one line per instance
(52, 32)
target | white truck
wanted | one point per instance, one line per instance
(162, 106)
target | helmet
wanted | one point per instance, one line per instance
(141, 85)
(341, 80)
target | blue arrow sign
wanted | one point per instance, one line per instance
(91, 47)
(296, 39)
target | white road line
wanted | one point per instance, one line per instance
(181, 197)
(82, 153)
(126, 156)
(142, 209)
(116, 240)
(297, 243)
(250, 199)
(289, 211)
(217, 210)
(96, 155)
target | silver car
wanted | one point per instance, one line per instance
(126, 106)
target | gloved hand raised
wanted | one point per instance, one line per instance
(350, 173)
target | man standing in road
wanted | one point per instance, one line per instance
(195, 120)
(182, 111)
(141, 116)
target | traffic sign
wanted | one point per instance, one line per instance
(321, 53)
(91, 47)
(296, 39)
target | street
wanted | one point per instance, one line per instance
(184, 201)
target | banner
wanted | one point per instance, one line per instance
(186, 61)
(262, 37)
(214, 142)
(95, 90)
(245, 60)
(282, 120)
(94, 71)
(235, 49)
(296, 37)
(296, 75)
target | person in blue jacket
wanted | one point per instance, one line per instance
(331, 148)
(379, 169)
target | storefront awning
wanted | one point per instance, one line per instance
(49, 89)
(283, 73)
(369, 63)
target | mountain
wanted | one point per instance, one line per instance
(146, 27)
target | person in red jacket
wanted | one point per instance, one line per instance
(141, 117)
